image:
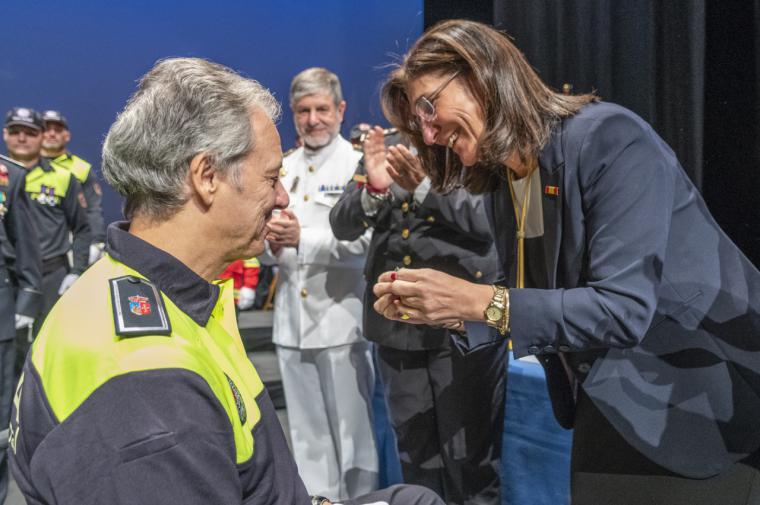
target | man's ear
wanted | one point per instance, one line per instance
(203, 179)
(341, 110)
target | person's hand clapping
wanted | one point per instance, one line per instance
(284, 230)
(405, 168)
(375, 161)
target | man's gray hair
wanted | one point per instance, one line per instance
(182, 107)
(315, 80)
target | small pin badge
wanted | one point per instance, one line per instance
(551, 190)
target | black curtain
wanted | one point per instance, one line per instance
(689, 67)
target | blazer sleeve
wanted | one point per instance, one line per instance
(626, 183)
(347, 218)
(22, 234)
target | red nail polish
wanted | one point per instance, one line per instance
(393, 276)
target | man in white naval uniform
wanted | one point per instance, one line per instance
(326, 363)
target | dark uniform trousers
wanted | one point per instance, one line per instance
(443, 413)
(446, 408)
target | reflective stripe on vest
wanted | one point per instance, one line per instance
(75, 165)
(78, 350)
(51, 185)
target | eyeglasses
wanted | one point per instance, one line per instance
(424, 106)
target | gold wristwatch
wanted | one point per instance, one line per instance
(496, 312)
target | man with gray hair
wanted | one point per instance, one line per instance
(138, 389)
(325, 362)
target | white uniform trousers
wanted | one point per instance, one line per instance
(328, 392)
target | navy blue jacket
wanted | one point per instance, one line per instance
(656, 310)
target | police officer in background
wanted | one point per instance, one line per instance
(446, 407)
(55, 138)
(325, 362)
(138, 389)
(57, 204)
(20, 284)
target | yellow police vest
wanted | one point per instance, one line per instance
(74, 164)
(47, 187)
(78, 350)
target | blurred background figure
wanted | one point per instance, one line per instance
(20, 284)
(245, 279)
(55, 140)
(446, 408)
(326, 363)
(58, 207)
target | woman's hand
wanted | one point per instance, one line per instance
(427, 296)
(374, 159)
(405, 168)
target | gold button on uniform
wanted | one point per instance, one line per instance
(311, 168)
(407, 261)
(405, 207)
(405, 233)
(304, 293)
(478, 274)
(430, 219)
(305, 198)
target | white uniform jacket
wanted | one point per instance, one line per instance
(321, 286)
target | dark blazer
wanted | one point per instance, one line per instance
(447, 232)
(655, 309)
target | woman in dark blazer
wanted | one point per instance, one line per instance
(645, 316)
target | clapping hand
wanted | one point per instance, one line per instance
(375, 161)
(405, 168)
(284, 230)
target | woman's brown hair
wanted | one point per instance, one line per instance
(519, 109)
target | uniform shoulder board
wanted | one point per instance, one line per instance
(79, 164)
(138, 308)
(289, 152)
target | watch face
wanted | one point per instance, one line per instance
(493, 313)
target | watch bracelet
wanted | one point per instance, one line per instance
(504, 329)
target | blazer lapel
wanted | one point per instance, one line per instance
(503, 224)
(551, 162)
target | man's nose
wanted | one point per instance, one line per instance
(282, 200)
(313, 118)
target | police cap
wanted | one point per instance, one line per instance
(24, 117)
(54, 116)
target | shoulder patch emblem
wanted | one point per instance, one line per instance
(138, 308)
(239, 404)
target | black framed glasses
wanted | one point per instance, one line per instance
(424, 106)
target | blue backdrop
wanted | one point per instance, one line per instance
(84, 57)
